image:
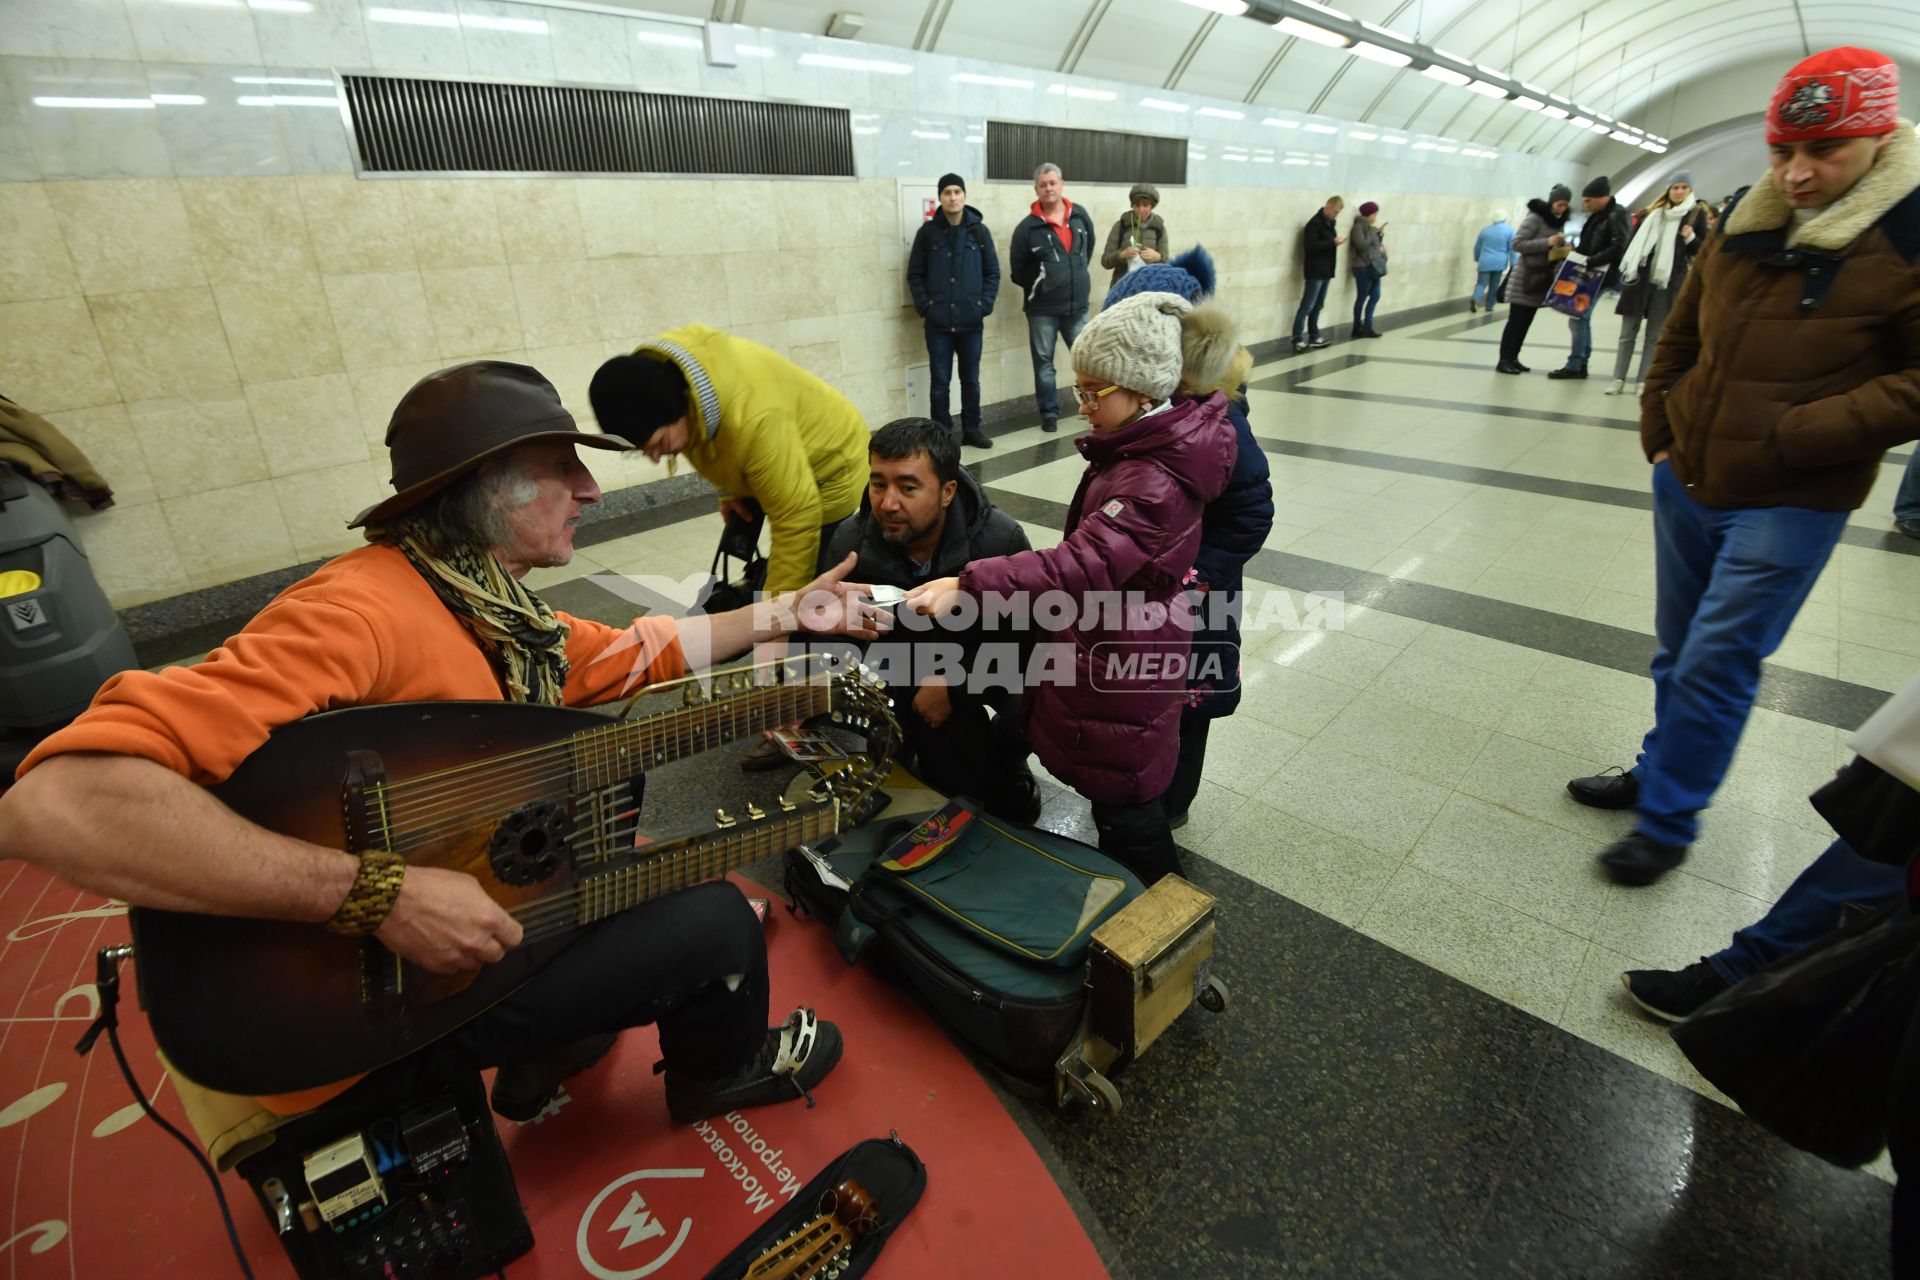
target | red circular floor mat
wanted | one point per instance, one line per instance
(613, 1190)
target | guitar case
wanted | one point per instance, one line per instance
(891, 1174)
(988, 922)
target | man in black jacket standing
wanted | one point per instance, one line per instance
(1603, 242)
(954, 275)
(1048, 261)
(924, 516)
(1322, 239)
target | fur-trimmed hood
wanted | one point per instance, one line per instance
(1893, 177)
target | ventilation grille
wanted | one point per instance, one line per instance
(452, 126)
(1014, 151)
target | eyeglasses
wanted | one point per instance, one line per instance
(1091, 399)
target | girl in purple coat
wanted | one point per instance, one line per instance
(1105, 719)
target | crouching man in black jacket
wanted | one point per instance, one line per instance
(926, 517)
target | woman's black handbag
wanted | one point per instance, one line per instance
(724, 592)
(1808, 1045)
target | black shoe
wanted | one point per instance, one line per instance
(1298, 346)
(1508, 366)
(1524, 368)
(523, 1090)
(977, 439)
(1909, 527)
(1049, 425)
(795, 1057)
(1472, 306)
(1617, 788)
(1177, 821)
(1560, 375)
(1317, 343)
(1673, 994)
(1368, 332)
(1639, 860)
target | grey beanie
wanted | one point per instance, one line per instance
(1135, 344)
(1560, 192)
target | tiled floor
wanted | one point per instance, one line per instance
(1431, 1068)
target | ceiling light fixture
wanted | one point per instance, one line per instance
(1222, 113)
(1161, 104)
(840, 62)
(1375, 53)
(1307, 31)
(1553, 112)
(1447, 75)
(1225, 8)
(1528, 104)
(1487, 89)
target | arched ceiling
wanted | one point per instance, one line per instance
(1627, 58)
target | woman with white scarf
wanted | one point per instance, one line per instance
(1655, 266)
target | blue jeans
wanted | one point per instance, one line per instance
(1810, 909)
(1582, 327)
(942, 346)
(1727, 586)
(1042, 333)
(1906, 499)
(1306, 317)
(1366, 284)
(1486, 288)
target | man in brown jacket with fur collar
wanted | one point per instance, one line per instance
(1790, 365)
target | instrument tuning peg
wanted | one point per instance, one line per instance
(786, 805)
(721, 818)
(755, 812)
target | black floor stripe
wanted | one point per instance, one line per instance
(1579, 491)
(1450, 406)
(1821, 699)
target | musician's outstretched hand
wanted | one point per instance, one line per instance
(444, 922)
(832, 606)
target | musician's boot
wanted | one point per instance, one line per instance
(795, 1057)
(522, 1090)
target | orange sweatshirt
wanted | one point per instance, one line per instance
(365, 628)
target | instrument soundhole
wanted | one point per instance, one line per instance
(526, 846)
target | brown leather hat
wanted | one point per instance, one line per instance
(453, 420)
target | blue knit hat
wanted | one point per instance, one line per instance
(1190, 276)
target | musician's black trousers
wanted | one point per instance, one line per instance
(663, 962)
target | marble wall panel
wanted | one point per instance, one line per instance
(68, 29)
(166, 31)
(307, 424)
(33, 254)
(381, 318)
(105, 435)
(130, 550)
(317, 505)
(539, 220)
(198, 442)
(127, 235)
(356, 226)
(247, 227)
(204, 526)
(473, 311)
(556, 302)
(164, 342)
(453, 222)
(279, 327)
(326, 33)
(51, 356)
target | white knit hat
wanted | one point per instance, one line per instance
(1135, 344)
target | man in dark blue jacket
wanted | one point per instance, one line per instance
(1048, 260)
(1603, 242)
(954, 275)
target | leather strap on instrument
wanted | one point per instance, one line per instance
(375, 886)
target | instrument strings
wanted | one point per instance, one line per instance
(437, 804)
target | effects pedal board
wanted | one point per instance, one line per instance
(416, 1189)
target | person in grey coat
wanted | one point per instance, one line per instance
(1367, 253)
(1539, 235)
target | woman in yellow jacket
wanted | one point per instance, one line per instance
(762, 430)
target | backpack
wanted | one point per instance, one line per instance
(988, 922)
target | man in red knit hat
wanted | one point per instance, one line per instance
(1790, 365)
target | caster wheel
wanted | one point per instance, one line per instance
(1213, 996)
(1103, 1095)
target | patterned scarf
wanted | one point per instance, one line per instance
(521, 636)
